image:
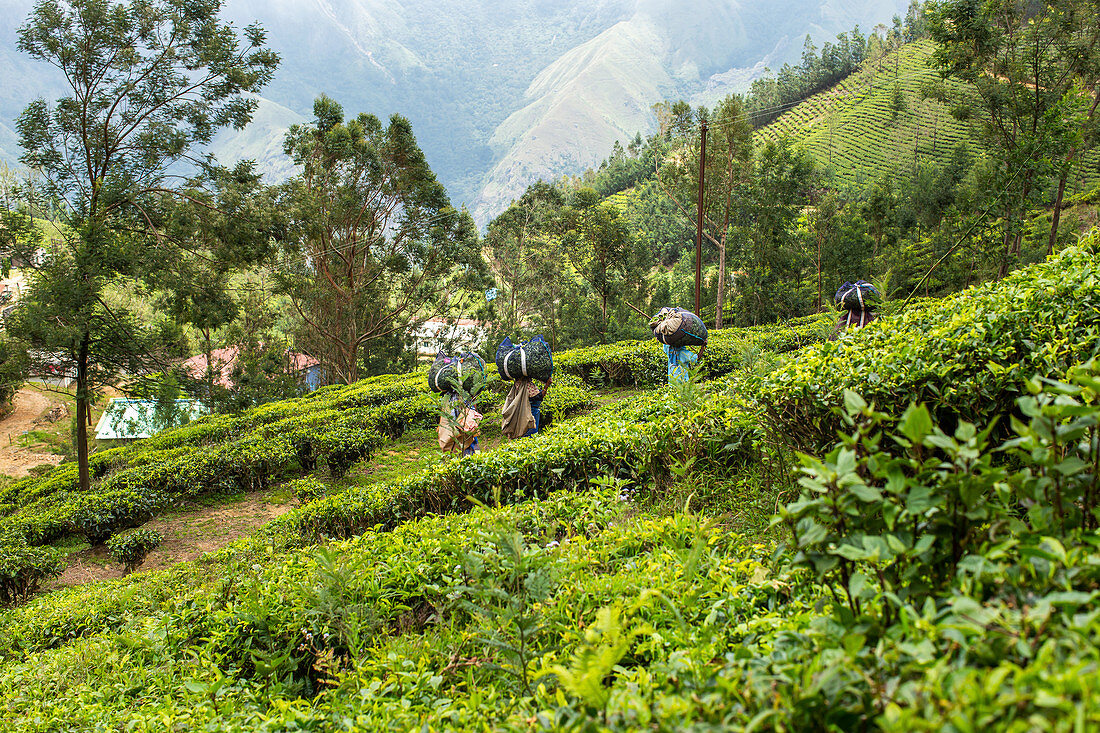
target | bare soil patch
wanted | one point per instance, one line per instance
(31, 408)
(188, 534)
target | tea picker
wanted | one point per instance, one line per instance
(524, 365)
(858, 302)
(460, 379)
(677, 329)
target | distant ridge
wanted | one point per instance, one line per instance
(499, 94)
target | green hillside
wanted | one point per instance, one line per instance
(933, 566)
(859, 132)
(854, 131)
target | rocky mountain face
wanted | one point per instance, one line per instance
(499, 93)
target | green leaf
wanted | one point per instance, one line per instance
(916, 423)
(866, 493)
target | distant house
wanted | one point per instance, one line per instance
(126, 419)
(435, 333)
(225, 360)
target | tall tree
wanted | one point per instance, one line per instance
(1077, 48)
(725, 178)
(149, 80)
(524, 254)
(217, 226)
(600, 247)
(766, 251)
(1011, 54)
(372, 236)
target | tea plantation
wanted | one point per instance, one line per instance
(932, 560)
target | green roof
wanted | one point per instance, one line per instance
(126, 419)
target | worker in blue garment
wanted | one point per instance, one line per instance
(536, 395)
(680, 360)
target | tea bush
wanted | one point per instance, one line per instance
(130, 548)
(969, 355)
(308, 488)
(23, 568)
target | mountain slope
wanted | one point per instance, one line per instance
(854, 130)
(498, 94)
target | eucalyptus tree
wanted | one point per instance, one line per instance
(600, 246)
(525, 256)
(149, 82)
(373, 241)
(765, 249)
(1025, 64)
(726, 177)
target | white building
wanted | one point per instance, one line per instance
(463, 334)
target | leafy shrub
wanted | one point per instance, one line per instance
(130, 548)
(968, 356)
(308, 489)
(900, 508)
(24, 568)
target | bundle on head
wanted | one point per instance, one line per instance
(858, 296)
(530, 359)
(678, 327)
(448, 371)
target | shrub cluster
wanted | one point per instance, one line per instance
(130, 548)
(644, 364)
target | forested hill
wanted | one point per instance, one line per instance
(499, 94)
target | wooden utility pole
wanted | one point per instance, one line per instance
(699, 223)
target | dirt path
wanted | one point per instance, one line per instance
(30, 407)
(187, 535)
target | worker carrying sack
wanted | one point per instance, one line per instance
(448, 371)
(530, 359)
(858, 296)
(678, 327)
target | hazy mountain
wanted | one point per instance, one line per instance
(499, 93)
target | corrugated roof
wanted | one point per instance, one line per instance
(225, 360)
(126, 419)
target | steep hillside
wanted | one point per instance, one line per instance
(859, 131)
(619, 571)
(498, 94)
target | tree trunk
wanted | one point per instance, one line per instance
(209, 367)
(82, 411)
(721, 282)
(603, 309)
(820, 236)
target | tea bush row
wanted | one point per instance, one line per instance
(969, 355)
(154, 479)
(644, 364)
(212, 430)
(633, 440)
